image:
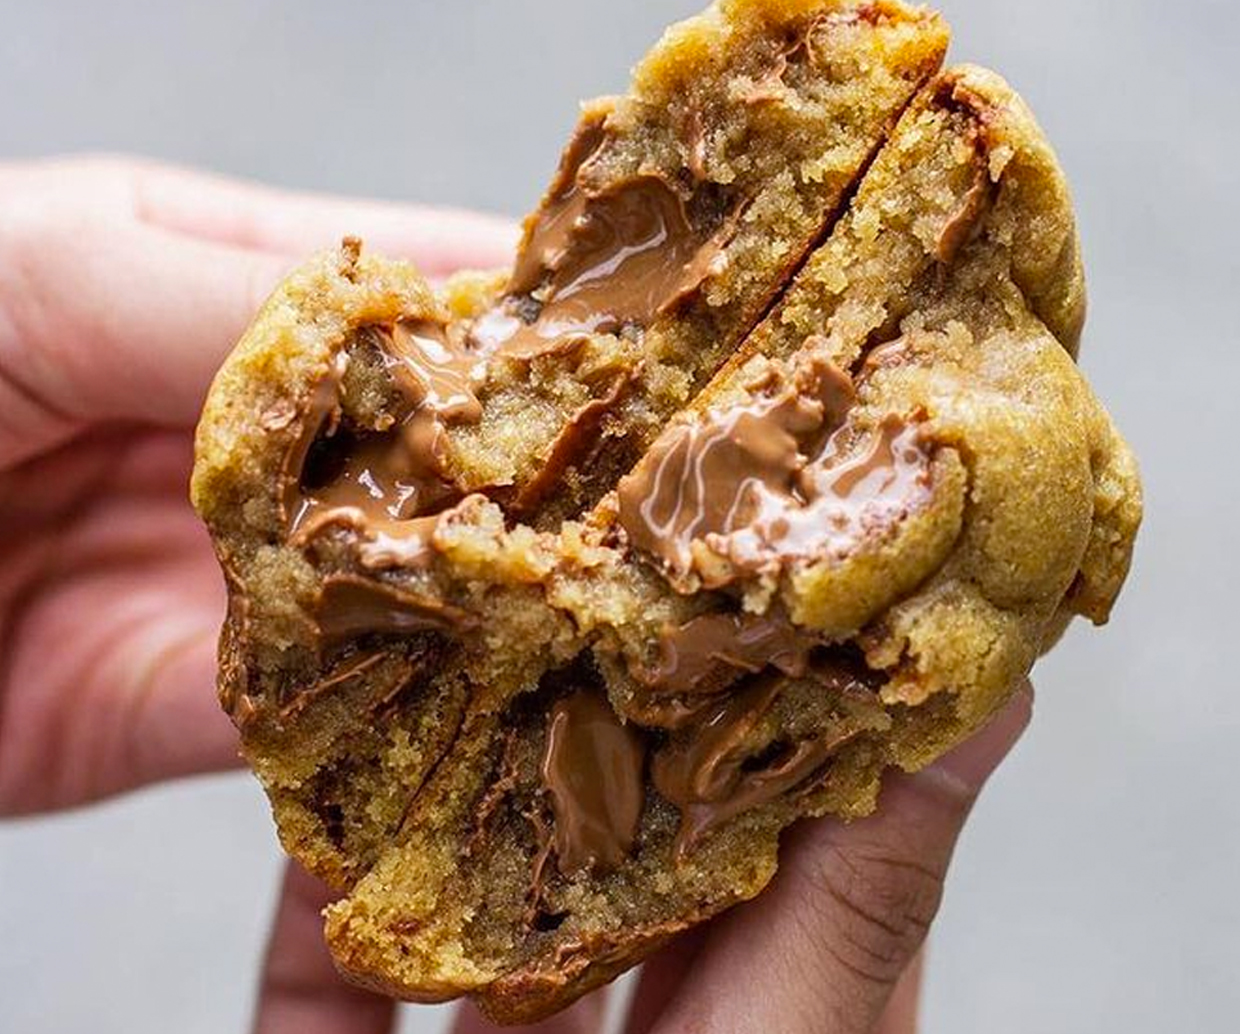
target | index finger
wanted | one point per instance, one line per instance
(438, 240)
(107, 314)
(249, 215)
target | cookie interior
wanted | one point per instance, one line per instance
(533, 699)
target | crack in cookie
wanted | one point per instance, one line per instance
(556, 595)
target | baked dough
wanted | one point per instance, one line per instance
(556, 595)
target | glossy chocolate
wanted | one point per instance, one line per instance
(382, 543)
(398, 474)
(849, 497)
(351, 605)
(717, 770)
(704, 653)
(549, 227)
(598, 259)
(593, 770)
(775, 479)
(320, 416)
(607, 260)
(437, 369)
(732, 467)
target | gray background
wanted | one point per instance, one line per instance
(1096, 888)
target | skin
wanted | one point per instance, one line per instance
(122, 287)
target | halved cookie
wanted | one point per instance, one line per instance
(554, 600)
(675, 220)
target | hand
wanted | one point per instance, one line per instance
(122, 287)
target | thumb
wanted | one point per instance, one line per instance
(823, 948)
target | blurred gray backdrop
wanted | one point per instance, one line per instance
(1098, 886)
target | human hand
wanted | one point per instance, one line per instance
(122, 286)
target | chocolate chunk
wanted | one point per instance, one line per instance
(965, 223)
(320, 415)
(351, 605)
(607, 260)
(571, 446)
(716, 772)
(387, 476)
(547, 229)
(599, 259)
(592, 769)
(704, 653)
(750, 481)
(771, 84)
(346, 672)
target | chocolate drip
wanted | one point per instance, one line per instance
(593, 770)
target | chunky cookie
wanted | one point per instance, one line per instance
(555, 596)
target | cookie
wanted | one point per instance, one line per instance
(555, 596)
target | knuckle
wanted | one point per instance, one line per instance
(870, 908)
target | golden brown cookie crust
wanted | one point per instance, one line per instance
(939, 491)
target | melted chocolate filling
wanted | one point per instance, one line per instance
(725, 759)
(594, 260)
(593, 770)
(701, 658)
(774, 480)
(715, 772)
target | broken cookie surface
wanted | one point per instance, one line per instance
(555, 597)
